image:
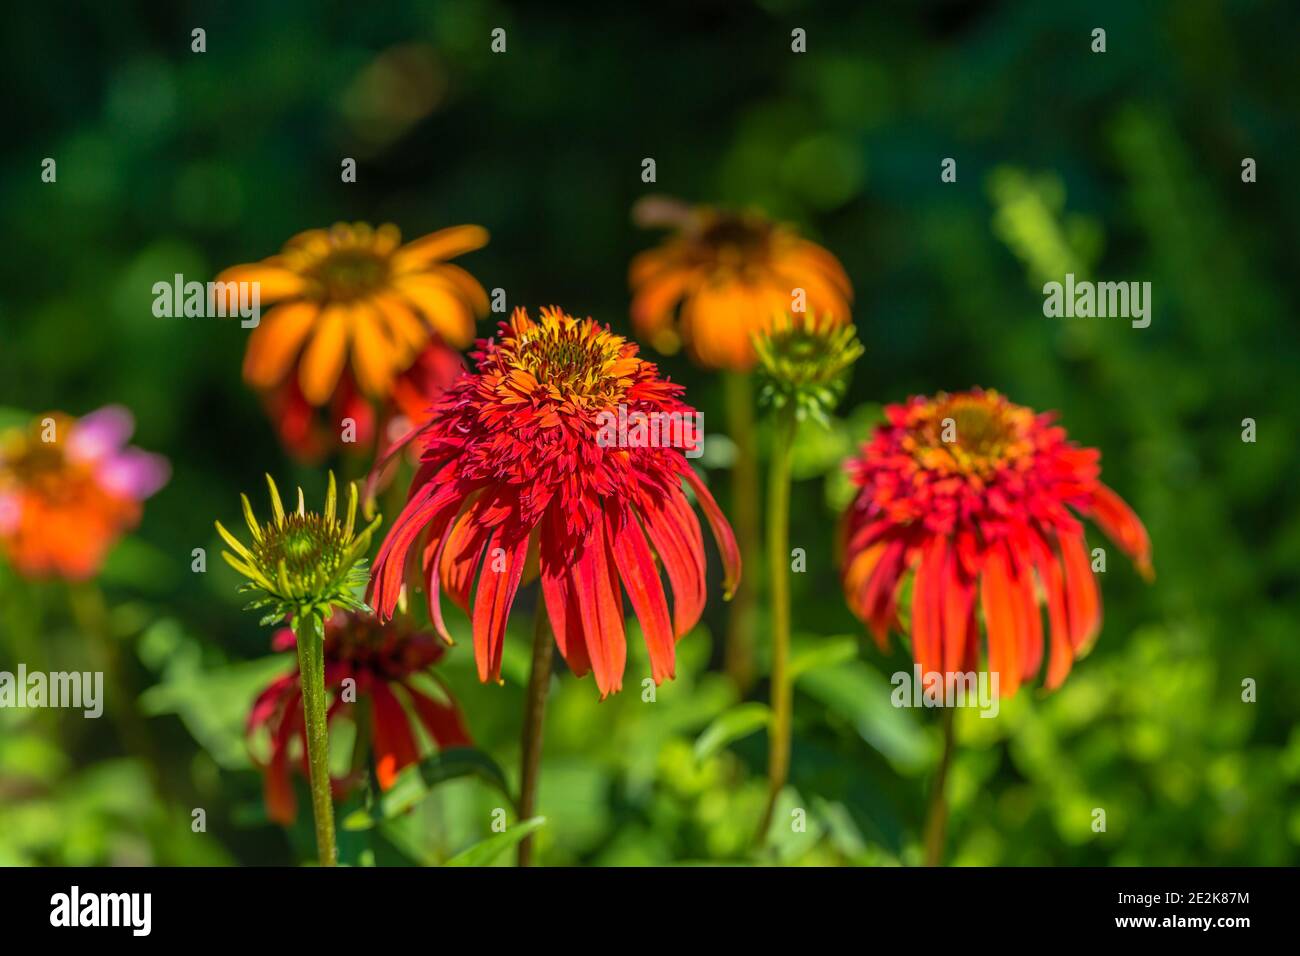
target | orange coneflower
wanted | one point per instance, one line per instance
(353, 291)
(69, 488)
(726, 276)
(387, 664)
(513, 460)
(980, 499)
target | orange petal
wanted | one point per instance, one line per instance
(373, 354)
(441, 307)
(1000, 621)
(323, 361)
(274, 344)
(273, 282)
(437, 246)
(640, 575)
(1123, 527)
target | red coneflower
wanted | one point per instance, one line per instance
(512, 461)
(981, 500)
(387, 664)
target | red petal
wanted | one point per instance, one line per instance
(443, 720)
(463, 551)
(560, 596)
(1123, 527)
(1049, 569)
(640, 576)
(1082, 601)
(391, 732)
(1000, 620)
(927, 618)
(496, 594)
(601, 611)
(722, 532)
(673, 536)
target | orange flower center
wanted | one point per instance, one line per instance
(969, 434)
(568, 360)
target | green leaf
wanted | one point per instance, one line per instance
(415, 782)
(812, 653)
(483, 853)
(861, 695)
(738, 722)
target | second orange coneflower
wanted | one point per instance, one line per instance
(721, 277)
(353, 301)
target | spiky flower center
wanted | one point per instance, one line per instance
(568, 361)
(312, 549)
(972, 434)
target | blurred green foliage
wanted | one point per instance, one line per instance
(1123, 165)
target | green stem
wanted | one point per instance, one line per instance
(738, 651)
(309, 631)
(539, 681)
(936, 822)
(778, 556)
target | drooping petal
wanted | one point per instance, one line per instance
(722, 532)
(682, 559)
(559, 593)
(600, 611)
(1123, 527)
(497, 584)
(927, 607)
(394, 744)
(999, 605)
(636, 566)
(443, 721)
(1081, 599)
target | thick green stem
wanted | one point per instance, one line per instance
(738, 651)
(936, 822)
(539, 681)
(309, 630)
(778, 557)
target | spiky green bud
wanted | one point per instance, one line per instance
(302, 562)
(803, 362)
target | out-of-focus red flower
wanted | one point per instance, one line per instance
(513, 462)
(978, 498)
(308, 433)
(386, 662)
(70, 488)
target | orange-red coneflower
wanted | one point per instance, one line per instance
(725, 276)
(70, 488)
(513, 462)
(391, 667)
(354, 295)
(980, 499)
